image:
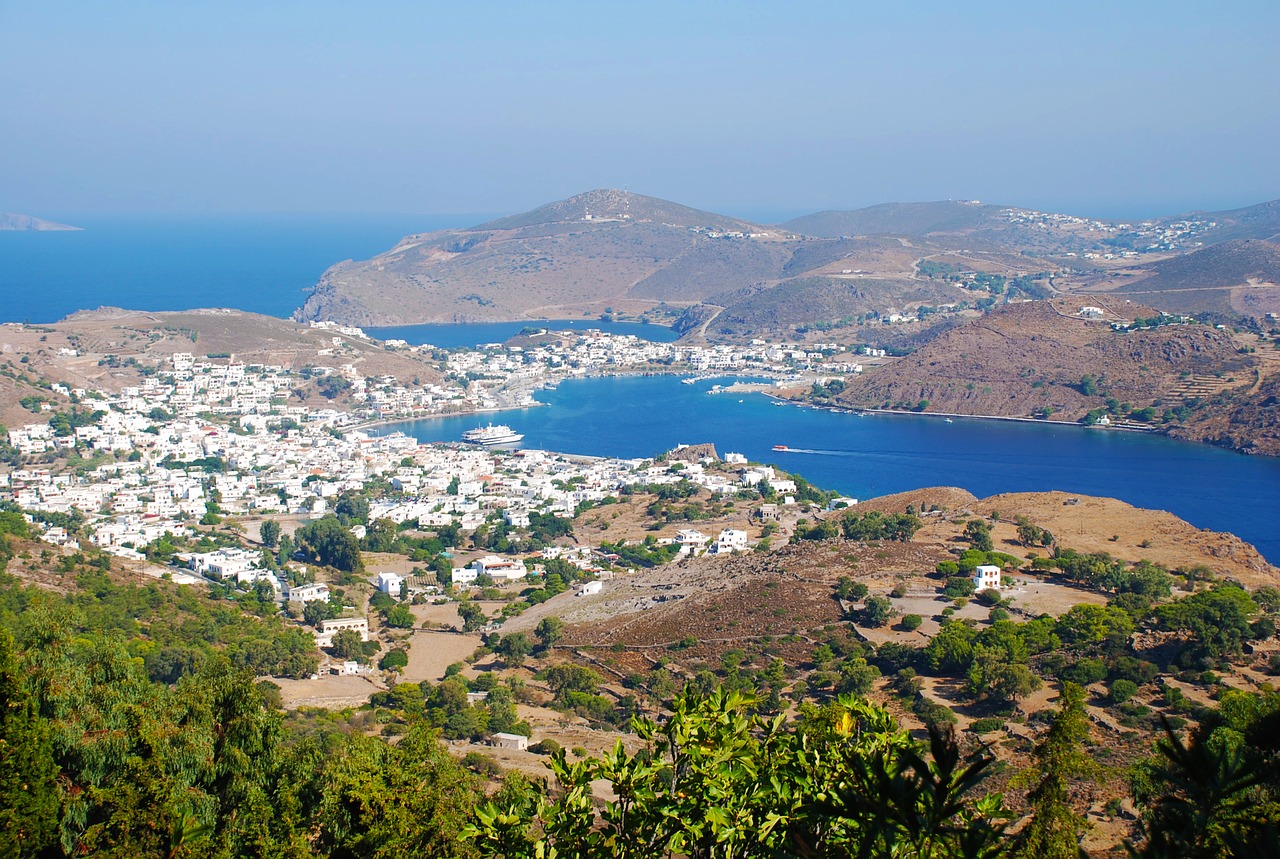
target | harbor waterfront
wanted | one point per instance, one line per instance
(870, 455)
(473, 334)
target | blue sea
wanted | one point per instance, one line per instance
(866, 456)
(268, 264)
(264, 264)
(450, 336)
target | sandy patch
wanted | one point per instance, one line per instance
(330, 691)
(430, 653)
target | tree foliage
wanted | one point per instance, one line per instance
(326, 541)
(716, 781)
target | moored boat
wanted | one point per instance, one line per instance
(492, 435)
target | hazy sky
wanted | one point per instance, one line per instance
(755, 109)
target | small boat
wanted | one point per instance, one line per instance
(948, 420)
(782, 447)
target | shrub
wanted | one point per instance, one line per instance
(987, 725)
(394, 660)
(1085, 671)
(911, 622)
(1122, 690)
(989, 597)
(545, 747)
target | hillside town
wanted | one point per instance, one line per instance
(163, 462)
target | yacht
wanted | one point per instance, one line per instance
(492, 435)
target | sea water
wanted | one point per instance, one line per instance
(268, 264)
(263, 264)
(866, 456)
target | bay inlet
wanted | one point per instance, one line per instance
(870, 455)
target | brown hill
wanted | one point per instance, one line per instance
(570, 258)
(1028, 357)
(606, 204)
(613, 250)
(1245, 420)
(724, 602)
(1241, 276)
(903, 219)
(1261, 221)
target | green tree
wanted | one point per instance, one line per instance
(1055, 827)
(270, 533)
(394, 660)
(714, 780)
(28, 790)
(877, 611)
(1218, 620)
(346, 644)
(472, 616)
(978, 533)
(549, 631)
(514, 648)
(400, 616)
(382, 801)
(352, 507)
(327, 542)
(1212, 798)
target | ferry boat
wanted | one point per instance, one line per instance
(492, 435)
(781, 447)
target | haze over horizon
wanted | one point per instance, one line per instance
(755, 110)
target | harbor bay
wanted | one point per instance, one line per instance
(869, 455)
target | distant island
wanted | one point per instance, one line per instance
(27, 223)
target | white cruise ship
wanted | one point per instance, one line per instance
(492, 436)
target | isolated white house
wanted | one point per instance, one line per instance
(389, 583)
(986, 576)
(589, 588)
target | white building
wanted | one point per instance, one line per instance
(589, 588)
(986, 577)
(307, 593)
(691, 541)
(730, 540)
(389, 583)
(500, 569)
(330, 628)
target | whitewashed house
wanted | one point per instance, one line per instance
(986, 577)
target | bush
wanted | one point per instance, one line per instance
(899, 591)
(911, 622)
(959, 586)
(1085, 672)
(394, 660)
(1122, 690)
(987, 725)
(989, 597)
(545, 747)
(878, 611)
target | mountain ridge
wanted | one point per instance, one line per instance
(608, 251)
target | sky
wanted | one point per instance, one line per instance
(761, 110)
